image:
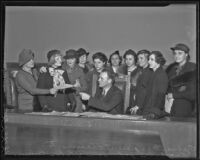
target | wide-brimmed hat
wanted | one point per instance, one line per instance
(182, 47)
(82, 51)
(71, 53)
(25, 56)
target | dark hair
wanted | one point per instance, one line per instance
(145, 52)
(115, 53)
(110, 74)
(101, 56)
(158, 57)
(130, 52)
(52, 53)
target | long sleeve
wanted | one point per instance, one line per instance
(26, 85)
(43, 82)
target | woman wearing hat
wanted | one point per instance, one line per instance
(182, 82)
(75, 73)
(133, 71)
(26, 81)
(82, 60)
(55, 77)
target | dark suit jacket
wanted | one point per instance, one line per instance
(112, 102)
(183, 88)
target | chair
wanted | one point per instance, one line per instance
(124, 84)
(10, 92)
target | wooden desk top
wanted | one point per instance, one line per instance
(99, 136)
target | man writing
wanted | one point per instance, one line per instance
(108, 99)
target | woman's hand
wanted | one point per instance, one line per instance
(53, 91)
(43, 69)
(134, 109)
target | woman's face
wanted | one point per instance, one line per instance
(115, 60)
(99, 65)
(142, 60)
(180, 56)
(30, 64)
(152, 62)
(83, 59)
(129, 60)
(58, 60)
(71, 62)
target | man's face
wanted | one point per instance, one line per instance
(98, 64)
(142, 60)
(104, 80)
(180, 56)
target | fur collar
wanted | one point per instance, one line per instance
(183, 78)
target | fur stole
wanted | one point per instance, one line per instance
(183, 79)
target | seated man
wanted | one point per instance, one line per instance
(108, 98)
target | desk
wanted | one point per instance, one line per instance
(57, 135)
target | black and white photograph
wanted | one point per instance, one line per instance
(100, 79)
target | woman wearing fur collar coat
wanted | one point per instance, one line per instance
(182, 83)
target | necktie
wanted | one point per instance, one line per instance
(103, 93)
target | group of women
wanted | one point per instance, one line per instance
(58, 84)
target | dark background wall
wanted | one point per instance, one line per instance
(103, 29)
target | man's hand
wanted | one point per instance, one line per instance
(43, 69)
(77, 84)
(84, 96)
(134, 109)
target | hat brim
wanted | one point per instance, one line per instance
(68, 57)
(172, 48)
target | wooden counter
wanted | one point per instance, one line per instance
(62, 135)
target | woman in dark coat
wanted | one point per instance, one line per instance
(55, 77)
(100, 62)
(143, 81)
(182, 83)
(133, 71)
(155, 93)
